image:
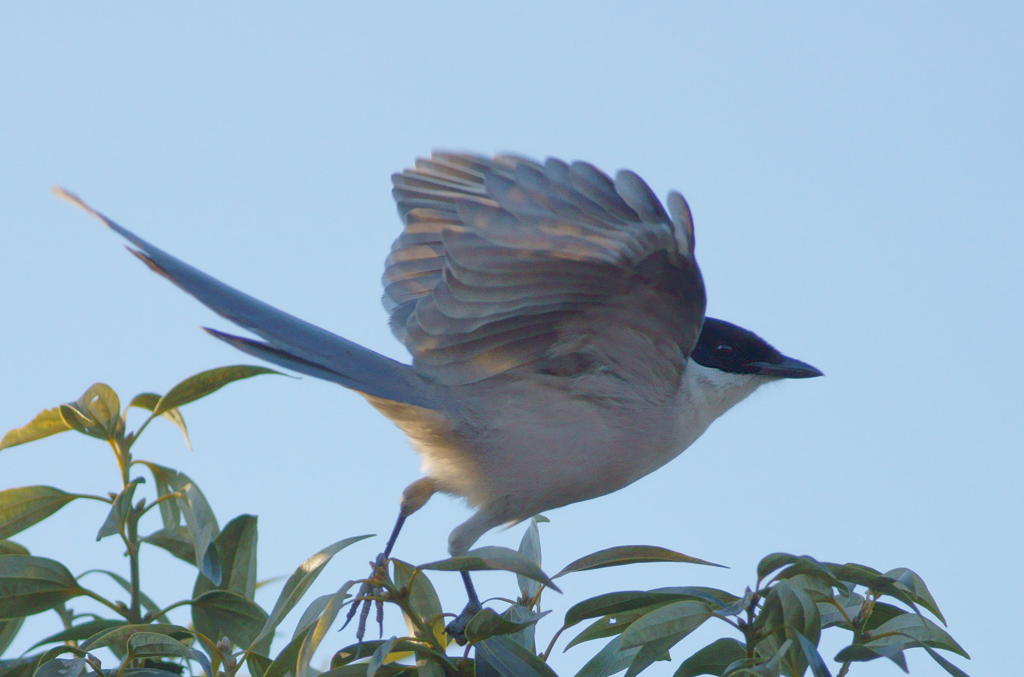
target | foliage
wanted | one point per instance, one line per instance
(773, 628)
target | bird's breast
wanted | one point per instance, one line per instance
(535, 442)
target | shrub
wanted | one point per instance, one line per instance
(773, 627)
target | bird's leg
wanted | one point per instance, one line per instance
(457, 628)
(413, 498)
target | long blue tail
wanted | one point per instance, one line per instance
(290, 342)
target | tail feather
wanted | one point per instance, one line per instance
(269, 353)
(290, 342)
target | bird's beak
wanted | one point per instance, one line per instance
(789, 367)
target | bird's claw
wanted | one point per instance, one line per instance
(369, 595)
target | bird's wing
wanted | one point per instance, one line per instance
(506, 263)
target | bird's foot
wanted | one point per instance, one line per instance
(456, 629)
(370, 595)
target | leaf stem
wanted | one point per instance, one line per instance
(747, 628)
(132, 542)
(163, 612)
(159, 500)
(551, 644)
(105, 602)
(93, 497)
(142, 427)
(122, 460)
(130, 534)
(728, 620)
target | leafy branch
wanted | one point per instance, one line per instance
(774, 627)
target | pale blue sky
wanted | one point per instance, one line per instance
(855, 174)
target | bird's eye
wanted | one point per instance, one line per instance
(723, 348)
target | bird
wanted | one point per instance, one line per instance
(556, 320)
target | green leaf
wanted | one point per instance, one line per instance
(156, 645)
(859, 653)
(493, 558)
(712, 659)
(149, 672)
(302, 578)
(101, 403)
(61, 667)
(945, 664)
(202, 526)
(22, 507)
(613, 603)
(629, 554)
(881, 612)
(29, 585)
(8, 631)
(257, 664)
(859, 574)
(771, 667)
(178, 542)
(78, 420)
(649, 654)
(96, 413)
(488, 623)
(672, 621)
(236, 545)
(199, 517)
(162, 478)
(320, 628)
(799, 609)
(222, 613)
(312, 612)
(145, 401)
(773, 562)
(147, 603)
(23, 666)
(617, 602)
(47, 422)
(53, 652)
(393, 670)
(284, 663)
(148, 401)
(913, 585)
(505, 657)
(362, 650)
(811, 656)
(611, 659)
(204, 383)
(717, 599)
(12, 548)
(524, 617)
(119, 512)
(80, 631)
(908, 628)
(807, 566)
(421, 600)
(117, 638)
(829, 610)
(529, 547)
(612, 624)
(379, 657)
(789, 610)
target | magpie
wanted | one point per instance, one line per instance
(555, 318)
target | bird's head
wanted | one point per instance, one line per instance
(729, 348)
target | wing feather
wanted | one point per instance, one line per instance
(506, 264)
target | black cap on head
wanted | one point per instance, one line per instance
(723, 345)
